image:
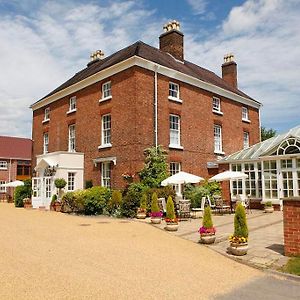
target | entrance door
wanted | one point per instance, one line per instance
(41, 191)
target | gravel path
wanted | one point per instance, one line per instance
(48, 255)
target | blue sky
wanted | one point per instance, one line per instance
(43, 43)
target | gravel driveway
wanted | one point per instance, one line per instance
(48, 255)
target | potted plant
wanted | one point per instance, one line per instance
(239, 240)
(59, 183)
(27, 203)
(142, 210)
(55, 204)
(156, 214)
(269, 207)
(171, 220)
(207, 231)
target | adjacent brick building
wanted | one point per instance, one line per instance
(15, 162)
(139, 97)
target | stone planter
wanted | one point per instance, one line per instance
(172, 226)
(141, 215)
(269, 209)
(207, 238)
(27, 205)
(57, 207)
(238, 249)
(155, 220)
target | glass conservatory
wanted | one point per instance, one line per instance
(272, 166)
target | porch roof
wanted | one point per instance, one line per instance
(261, 149)
(44, 163)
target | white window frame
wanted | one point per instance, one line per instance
(246, 140)
(174, 92)
(46, 114)
(2, 188)
(72, 105)
(105, 132)
(175, 167)
(46, 143)
(175, 133)
(71, 181)
(216, 103)
(106, 91)
(245, 114)
(72, 138)
(106, 174)
(3, 165)
(218, 144)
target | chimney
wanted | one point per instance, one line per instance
(171, 41)
(229, 70)
(96, 56)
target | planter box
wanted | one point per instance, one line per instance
(155, 220)
(172, 226)
(207, 238)
(27, 205)
(238, 249)
(269, 209)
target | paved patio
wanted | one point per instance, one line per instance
(265, 237)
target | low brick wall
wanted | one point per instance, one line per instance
(291, 225)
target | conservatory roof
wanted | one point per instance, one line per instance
(264, 148)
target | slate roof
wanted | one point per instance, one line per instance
(155, 55)
(262, 148)
(15, 148)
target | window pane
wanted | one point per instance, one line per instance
(174, 130)
(173, 90)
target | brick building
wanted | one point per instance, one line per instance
(138, 97)
(15, 162)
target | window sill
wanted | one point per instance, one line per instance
(219, 152)
(105, 99)
(179, 147)
(246, 120)
(45, 121)
(3, 169)
(105, 146)
(218, 112)
(72, 151)
(71, 111)
(174, 99)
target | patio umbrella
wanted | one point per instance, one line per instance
(229, 175)
(181, 178)
(13, 184)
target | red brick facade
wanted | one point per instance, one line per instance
(291, 223)
(132, 124)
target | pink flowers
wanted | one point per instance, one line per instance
(157, 214)
(203, 230)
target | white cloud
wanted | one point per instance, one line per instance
(198, 6)
(264, 36)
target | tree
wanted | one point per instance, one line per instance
(155, 168)
(267, 133)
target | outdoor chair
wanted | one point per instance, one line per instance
(245, 201)
(221, 207)
(184, 209)
(199, 209)
(162, 204)
(210, 204)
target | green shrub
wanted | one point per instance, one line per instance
(240, 222)
(115, 203)
(53, 199)
(207, 220)
(21, 192)
(268, 204)
(154, 203)
(170, 208)
(68, 202)
(60, 183)
(143, 202)
(95, 200)
(131, 199)
(88, 184)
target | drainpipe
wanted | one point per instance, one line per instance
(155, 107)
(9, 172)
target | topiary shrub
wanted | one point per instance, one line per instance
(240, 222)
(143, 203)
(268, 204)
(154, 204)
(96, 199)
(114, 204)
(207, 220)
(60, 183)
(22, 192)
(170, 214)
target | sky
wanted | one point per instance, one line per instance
(44, 43)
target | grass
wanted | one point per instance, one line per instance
(293, 266)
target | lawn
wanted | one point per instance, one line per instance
(293, 266)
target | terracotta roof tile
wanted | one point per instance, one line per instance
(15, 148)
(155, 55)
